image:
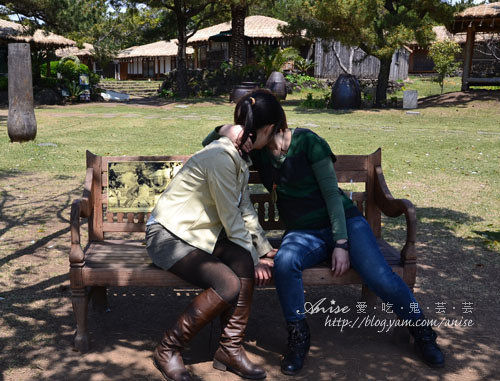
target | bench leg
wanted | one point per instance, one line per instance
(80, 303)
(368, 296)
(99, 298)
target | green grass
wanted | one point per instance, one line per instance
(446, 157)
(427, 86)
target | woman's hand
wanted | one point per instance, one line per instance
(234, 132)
(263, 271)
(271, 253)
(340, 261)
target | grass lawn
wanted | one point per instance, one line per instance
(446, 160)
(444, 157)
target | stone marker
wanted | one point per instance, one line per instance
(410, 99)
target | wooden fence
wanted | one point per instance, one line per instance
(339, 59)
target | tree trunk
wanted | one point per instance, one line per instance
(21, 122)
(383, 80)
(182, 80)
(237, 45)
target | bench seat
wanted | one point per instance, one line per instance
(126, 263)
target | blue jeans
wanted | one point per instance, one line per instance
(302, 249)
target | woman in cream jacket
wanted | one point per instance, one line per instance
(205, 230)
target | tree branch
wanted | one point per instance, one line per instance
(336, 54)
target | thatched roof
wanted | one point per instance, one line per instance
(479, 12)
(443, 34)
(14, 32)
(483, 18)
(87, 50)
(155, 49)
(255, 27)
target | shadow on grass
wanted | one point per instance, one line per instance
(300, 109)
(459, 98)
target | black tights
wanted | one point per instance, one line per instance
(220, 270)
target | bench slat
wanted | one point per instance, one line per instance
(149, 275)
(126, 263)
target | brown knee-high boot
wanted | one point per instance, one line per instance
(231, 354)
(203, 309)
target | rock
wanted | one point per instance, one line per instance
(410, 99)
(47, 96)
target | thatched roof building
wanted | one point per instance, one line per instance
(14, 32)
(483, 18)
(419, 57)
(147, 61)
(443, 34)
(211, 44)
(86, 51)
(155, 49)
(260, 28)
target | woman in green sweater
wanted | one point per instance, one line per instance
(321, 223)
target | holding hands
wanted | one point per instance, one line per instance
(263, 269)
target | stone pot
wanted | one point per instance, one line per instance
(346, 92)
(277, 84)
(240, 91)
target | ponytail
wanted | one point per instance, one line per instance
(256, 110)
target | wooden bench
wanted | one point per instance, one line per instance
(110, 261)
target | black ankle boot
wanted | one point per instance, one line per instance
(425, 344)
(299, 340)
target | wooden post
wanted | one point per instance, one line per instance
(21, 122)
(469, 51)
(47, 74)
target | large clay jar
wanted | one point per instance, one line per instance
(240, 91)
(254, 84)
(346, 92)
(277, 84)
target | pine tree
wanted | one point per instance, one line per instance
(379, 27)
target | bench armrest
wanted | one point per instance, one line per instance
(80, 208)
(392, 207)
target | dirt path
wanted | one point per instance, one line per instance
(37, 324)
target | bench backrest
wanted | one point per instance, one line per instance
(350, 169)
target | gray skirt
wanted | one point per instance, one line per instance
(165, 248)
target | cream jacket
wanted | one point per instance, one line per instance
(209, 193)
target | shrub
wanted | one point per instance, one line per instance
(47, 82)
(53, 69)
(311, 102)
(300, 81)
(303, 65)
(204, 82)
(443, 54)
(272, 59)
(69, 70)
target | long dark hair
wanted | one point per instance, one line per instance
(256, 110)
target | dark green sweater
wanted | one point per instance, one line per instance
(305, 182)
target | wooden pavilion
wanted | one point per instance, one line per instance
(481, 19)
